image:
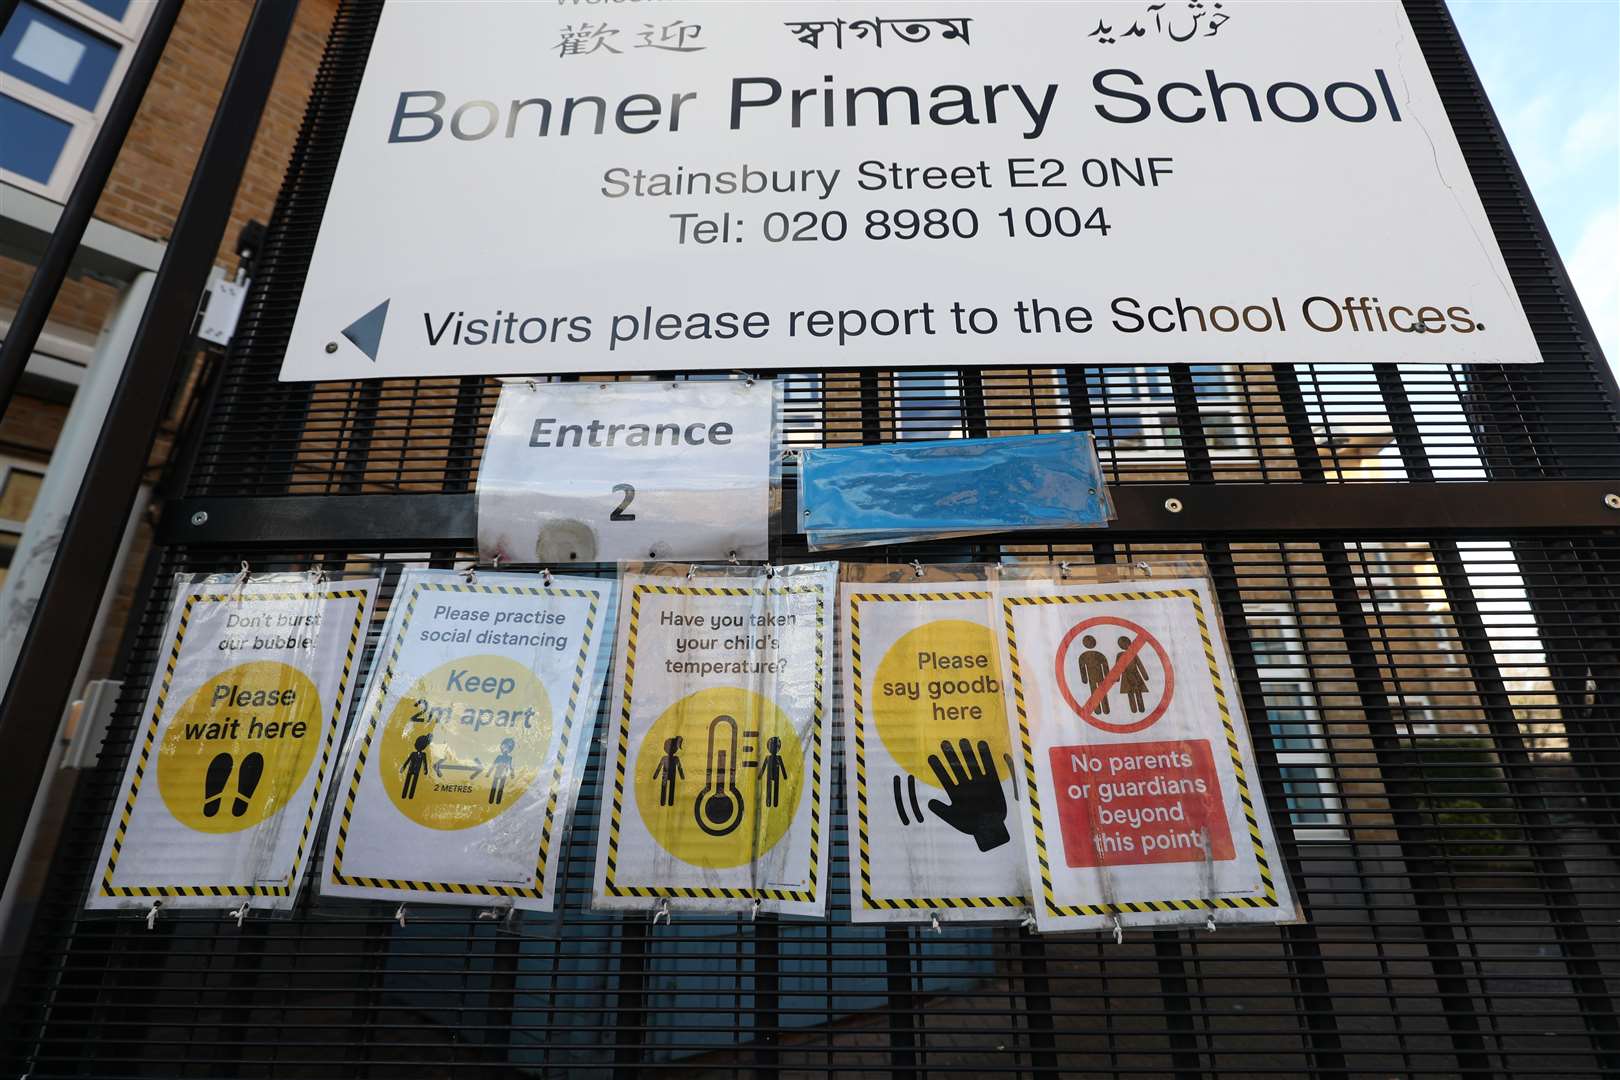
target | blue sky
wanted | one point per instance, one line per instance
(1552, 71)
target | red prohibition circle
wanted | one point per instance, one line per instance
(1068, 695)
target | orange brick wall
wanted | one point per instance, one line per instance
(149, 179)
(148, 183)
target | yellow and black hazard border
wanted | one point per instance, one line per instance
(857, 708)
(1268, 899)
(334, 723)
(374, 720)
(621, 764)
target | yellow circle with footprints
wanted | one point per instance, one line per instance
(940, 683)
(465, 741)
(719, 777)
(239, 746)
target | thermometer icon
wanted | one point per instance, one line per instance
(719, 806)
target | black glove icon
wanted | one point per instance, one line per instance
(978, 808)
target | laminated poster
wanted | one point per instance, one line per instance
(1143, 799)
(598, 472)
(720, 741)
(224, 788)
(933, 780)
(462, 767)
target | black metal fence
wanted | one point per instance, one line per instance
(1420, 583)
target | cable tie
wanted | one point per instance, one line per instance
(239, 914)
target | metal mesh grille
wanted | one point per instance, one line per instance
(1434, 715)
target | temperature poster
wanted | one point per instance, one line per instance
(932, 780)
(462, 767)
(1143, 802)
(720, 746)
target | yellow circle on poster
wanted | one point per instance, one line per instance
(465, 741)
(941, 683)
(719, 777)
(239, 746)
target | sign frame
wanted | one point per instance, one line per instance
(577, 724)
(1272, 901)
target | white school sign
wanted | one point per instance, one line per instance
(561, 187)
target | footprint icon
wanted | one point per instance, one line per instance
(219, 771)
(247, 781)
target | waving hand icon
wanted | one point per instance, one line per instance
(978, 807)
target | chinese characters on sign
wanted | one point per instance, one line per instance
(587, 38)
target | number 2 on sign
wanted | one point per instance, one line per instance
(619, 514)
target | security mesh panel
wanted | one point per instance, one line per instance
(1432, 693)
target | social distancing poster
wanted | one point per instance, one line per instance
(930, 770)
(237, 743)
(461, 770)
(1143, 802)
(719, 747)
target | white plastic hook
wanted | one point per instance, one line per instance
(933, 923)
(1119, 932)
(753, 912)
(770, 571)
(917, 567)
(503, 914)
(748, 379)
(731, 557)
(240, 914)
(470, 574)
(321, 575)
(1028, 921)
(691, 569)
(1144, 569)
(152, 914)
(399, 916)
(495, 563)
(1063, 569)
(545, 578)
(1209, 923)
(532, 384)
(661, 913)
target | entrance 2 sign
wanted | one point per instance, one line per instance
(530, 188)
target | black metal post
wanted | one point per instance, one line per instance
(49, 659)
(52, 270)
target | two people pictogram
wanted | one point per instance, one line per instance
(1095, 667)
(719, 806)
(416, 763)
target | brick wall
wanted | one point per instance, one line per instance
(149, 181)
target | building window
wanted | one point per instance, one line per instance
(803, 409)
(19, 487)
(928, 405)
(60, 64)
(1144, 430)
(1294, 721)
